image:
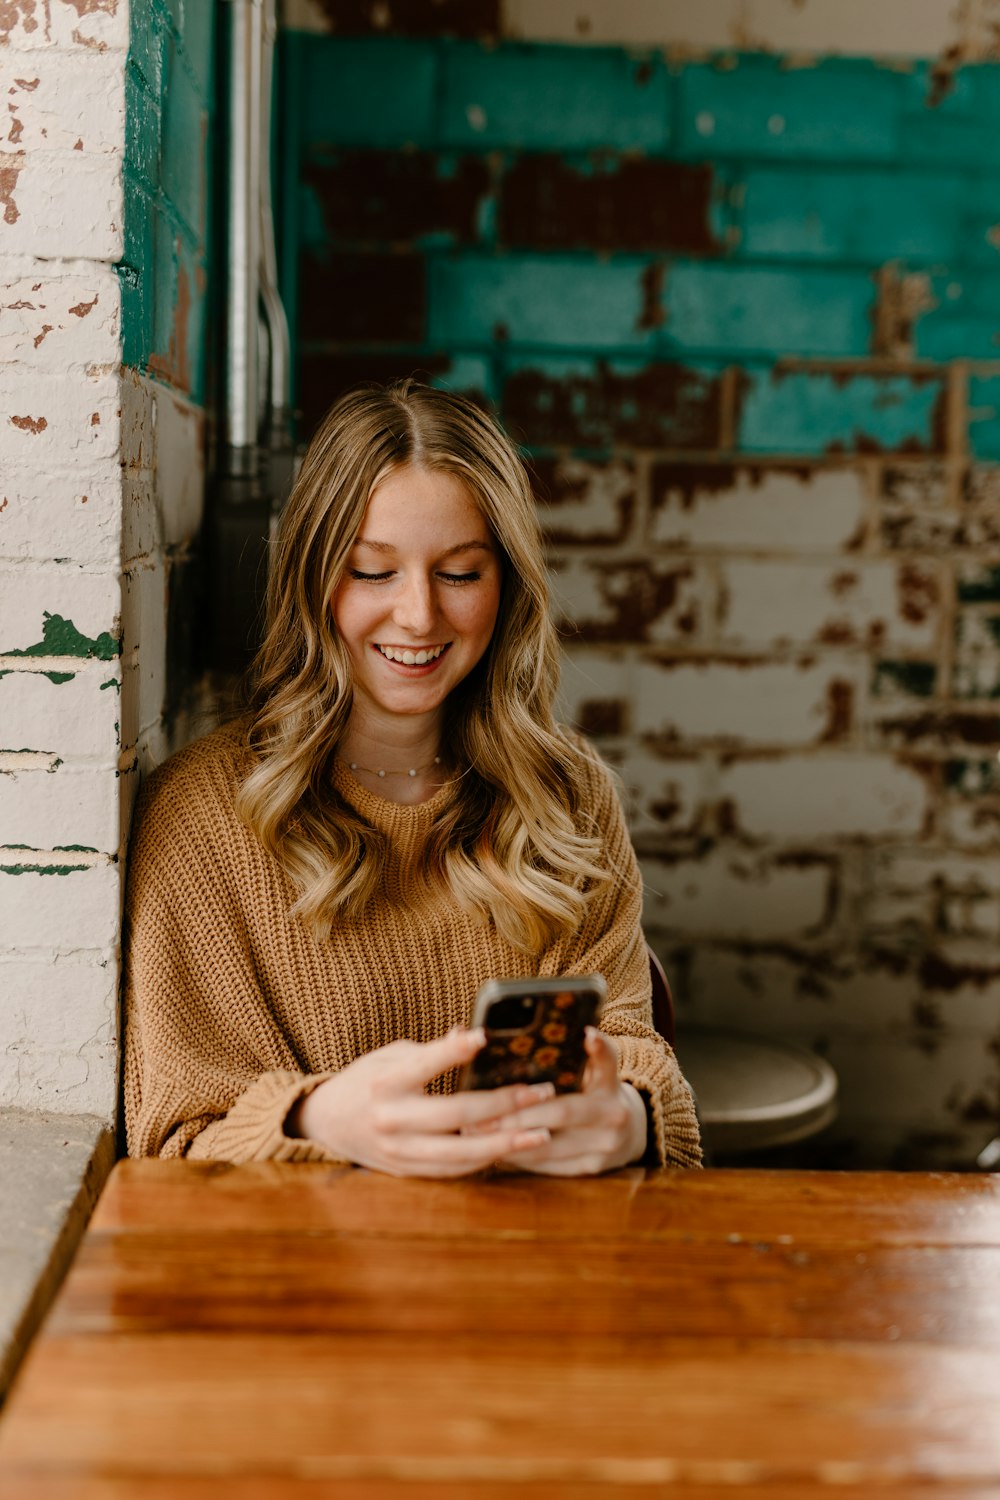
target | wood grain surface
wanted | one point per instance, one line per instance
(302, 1331)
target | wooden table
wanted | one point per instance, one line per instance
(302, 1331)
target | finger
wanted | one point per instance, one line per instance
(475, 1109)
(565, 1112)
(602, 1064)
(465, 1153)
(420, 1062)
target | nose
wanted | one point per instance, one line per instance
(415, 610)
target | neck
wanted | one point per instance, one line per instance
(400, 760)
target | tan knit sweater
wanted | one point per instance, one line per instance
(234, 1009)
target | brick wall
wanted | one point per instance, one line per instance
(740, 307)
(95, 488)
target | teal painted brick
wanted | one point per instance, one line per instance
(135, 271)
(146, 41)
(867, 215)
(961, 128)
(713, 307)
(365, 91)
(965, 323)
(554, 98)
(469, 373)
(753, 107)
(984, 416)
(578, 302)
(806, 413)
(185, 144)
(142, 128)
(176, 350)
(193, 23)
(560, 301)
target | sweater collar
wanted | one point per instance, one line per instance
(391, 817)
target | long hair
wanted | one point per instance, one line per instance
(507, 843)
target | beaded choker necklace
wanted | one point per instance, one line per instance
(353, 765)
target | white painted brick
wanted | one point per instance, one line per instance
(825, 796)
(67, 805)
(58, 422)
(971, 823)
(594, 502)
(180, 470)
(80, 910)
(138, 434)
(664, 796)
(63, 203)
(76, 514)
(915, 1090)
(63, 102)
(57, 321)
(659, 600)
(595, 680)
(851, 27)
(767, 510)
(90, 601)
(806, 995)
(144, 623)
(733, 894)
(58, 1043)
(94, 25)
(748, 702)
(868, 603)
(72, 719)
(163, 458)
(945, 893)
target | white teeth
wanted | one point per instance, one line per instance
(412, 658)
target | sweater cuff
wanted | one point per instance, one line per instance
(674, 1137)
(254, 1128)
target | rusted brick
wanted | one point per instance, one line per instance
(607, 202)
(378, 298)
(843, 795)
(589, 502)
(729, 892)
(854, 602)
(745, 700)
(600, 405)
(729, 506)
(596, 691)
(325, 375)
(468, 18)
(655, 601)
(976, 671)
(666, 796)
(396, 197)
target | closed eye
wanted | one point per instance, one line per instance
(369, 577)
(460, 577)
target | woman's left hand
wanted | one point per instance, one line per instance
(601, 1127)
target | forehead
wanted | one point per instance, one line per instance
(413, 502)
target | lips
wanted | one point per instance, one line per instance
(404, 656)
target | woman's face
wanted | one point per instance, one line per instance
(418, 602)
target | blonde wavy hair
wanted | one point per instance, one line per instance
(507, 843)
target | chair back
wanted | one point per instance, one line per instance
(663, 1000)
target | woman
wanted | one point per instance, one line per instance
(317, 891)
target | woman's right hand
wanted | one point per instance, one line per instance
(375, 1112)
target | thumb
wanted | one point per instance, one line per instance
(602, 1067)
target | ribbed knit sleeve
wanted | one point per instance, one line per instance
(611, 943)
(208, 1072)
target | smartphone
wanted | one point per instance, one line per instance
(535, 1031)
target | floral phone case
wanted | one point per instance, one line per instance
(535, 1031)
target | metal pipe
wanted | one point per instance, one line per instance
(279, 370)
(243, 231)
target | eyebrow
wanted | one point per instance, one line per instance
(387, 547)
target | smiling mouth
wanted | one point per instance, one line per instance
(407, 658)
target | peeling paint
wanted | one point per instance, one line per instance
(60, 637)
(83, 308)
(33, 425)
(93, 7)
(11, 166)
